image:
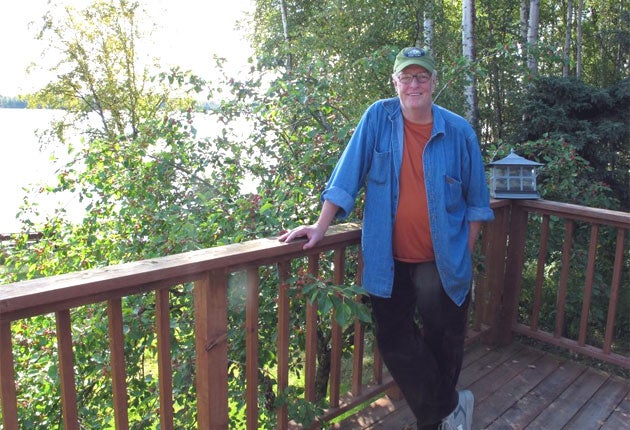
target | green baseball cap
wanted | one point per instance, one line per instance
(414, 55)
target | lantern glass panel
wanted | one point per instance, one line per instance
(514, 170)
(528, 185)
(515, 184)
(500, 171)
(501, 185)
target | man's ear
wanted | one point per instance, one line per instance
(395, 84)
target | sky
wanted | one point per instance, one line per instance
(188, 33)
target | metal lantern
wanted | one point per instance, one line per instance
(514, 177)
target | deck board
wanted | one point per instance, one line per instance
(598, 408)
(520, 387)
(559, 412)
(527, 376)
(620, 417)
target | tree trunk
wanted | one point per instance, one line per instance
(578, 57)
(285, 32)
(567, 41)
(322, 373)
(532, 36)
(428, 24)
(524, 21)
(468, 47)
(523, 26)
(497, 108)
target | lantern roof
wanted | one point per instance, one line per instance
(514, 159)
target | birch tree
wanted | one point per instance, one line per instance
(468, 47)
(567, 40)
(429, 24)
(532, 35)
(285, 31)
(578, 43)
(524, 21)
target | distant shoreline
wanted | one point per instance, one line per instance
(12, 103)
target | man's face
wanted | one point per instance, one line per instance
(414, 86)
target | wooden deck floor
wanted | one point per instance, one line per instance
(519, 387)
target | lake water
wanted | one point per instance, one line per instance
(23, 163)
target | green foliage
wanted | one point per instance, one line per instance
(582, 137)
(35, 352)
(565, 175)
(340, 298)
(302, 411)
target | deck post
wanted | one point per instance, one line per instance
(490, 280)
(210, 295)
(508, 309)
(8, 399)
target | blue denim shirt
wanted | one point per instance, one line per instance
(457, 192)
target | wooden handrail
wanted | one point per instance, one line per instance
(43, 295)
(612, 218)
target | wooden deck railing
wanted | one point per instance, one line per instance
(494, 318)
(502, 285)
(209, 269)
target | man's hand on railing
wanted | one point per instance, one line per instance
(314, 233)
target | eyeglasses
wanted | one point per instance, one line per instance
(406, 78)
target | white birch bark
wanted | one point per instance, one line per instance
(567, 40)
(428, 25)
(578, 59)
(468, 47)
(285, 31)
(532, 35)
(428, 30)
(524, 21)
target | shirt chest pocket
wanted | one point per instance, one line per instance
(380, 168)
(453, 194)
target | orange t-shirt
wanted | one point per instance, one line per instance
(412, 237)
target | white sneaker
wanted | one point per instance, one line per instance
(461, 417)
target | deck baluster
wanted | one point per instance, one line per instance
(66, 371)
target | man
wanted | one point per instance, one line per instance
(426, 197)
